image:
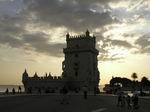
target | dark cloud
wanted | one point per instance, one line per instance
(40, 43)
(106, 57)
(121, 43)
(146, 50)
(110, 43)
(10, 41)
(128, 35)
(10, 30)
(36, 38)
(12, 25)
(143, 44)
(143, 41)
(37, 42)
(10, 7)
(75, 16)
(95, 1)
(13, 33)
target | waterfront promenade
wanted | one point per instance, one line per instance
(51, 103)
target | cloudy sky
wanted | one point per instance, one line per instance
(32, 36)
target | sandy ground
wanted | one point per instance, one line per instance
(52, 103)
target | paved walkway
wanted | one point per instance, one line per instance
(51, 103)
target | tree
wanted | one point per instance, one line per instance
(134, 76)
(145, 81)
(125, 82)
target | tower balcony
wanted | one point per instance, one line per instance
(73, 50)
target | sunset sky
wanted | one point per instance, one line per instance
(32, 36)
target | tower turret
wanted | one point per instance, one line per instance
(87, 33)
(67, 36)
(24, 76)
(35, 75)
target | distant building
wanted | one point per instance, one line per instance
(47, 83)
(79, 67)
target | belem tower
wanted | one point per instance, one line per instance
(79, 68)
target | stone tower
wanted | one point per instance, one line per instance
(80, 64)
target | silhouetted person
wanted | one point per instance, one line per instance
(13, 91)
(119, 100)
(19, 89)
(47, 90)
(123, 102)
(128, 100)
(29, 90)
(95, 90)
(85, 92)
(7, 91)
(135, 101)
(39, 90)
(64, 96)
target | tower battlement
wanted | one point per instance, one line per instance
(81, 41)
(36, 76)
(80, 37)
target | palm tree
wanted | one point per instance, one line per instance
(134, 76)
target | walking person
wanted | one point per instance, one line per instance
(119, 99)
(7, 91)
(13, 91)
(85, 92)
(19, 89)
(94, 91)
(128, 100)
(65, 97)
(123, 102)
(39, 90)
(135, 101)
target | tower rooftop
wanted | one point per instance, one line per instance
(78, 37)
